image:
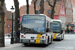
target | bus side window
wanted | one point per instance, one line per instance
(47, 26)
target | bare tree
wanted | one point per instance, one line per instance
(52, 6)
(42, 7)
(2, 14)
(35, 6)
(17, 16)
(27, 1)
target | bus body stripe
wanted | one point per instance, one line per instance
(38, 39)
(55, 34)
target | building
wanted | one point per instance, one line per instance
(59, 9)
(69, 11)
(8, 22)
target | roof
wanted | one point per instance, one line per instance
(55, 20)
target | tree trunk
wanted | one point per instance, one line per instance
(42, 7)
(35, 6)
(53, 11)
(27, 1)
(2, 14)
(17, 17)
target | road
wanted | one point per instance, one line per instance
(67, 44)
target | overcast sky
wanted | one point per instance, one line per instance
(10, 3)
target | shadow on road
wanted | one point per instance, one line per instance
(57, 40)
(36, 45)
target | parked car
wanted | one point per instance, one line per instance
(9, 34)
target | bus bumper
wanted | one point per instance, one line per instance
(57, 38)
(29, 41)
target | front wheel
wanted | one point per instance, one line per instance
(63, 37)
(60, 38)
(47, 42)
(51, 40)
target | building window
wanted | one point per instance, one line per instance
(49, 11)
(62, 12)
(37, 11)
(8, 26)
(69, 5)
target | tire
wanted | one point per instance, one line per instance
(63, 37)
(51, 40)
(47, 42)
(60, 38)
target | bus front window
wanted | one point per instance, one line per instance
(56, 27)
(33, 24)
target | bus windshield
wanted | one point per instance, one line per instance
(33, 24)
(55, 27)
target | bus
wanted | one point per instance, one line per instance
(35, 29)
(57, 28)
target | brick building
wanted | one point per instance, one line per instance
(69, 11)
(8, 20)
(59, 9)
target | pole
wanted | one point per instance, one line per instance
(12, 39)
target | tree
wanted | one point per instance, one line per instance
(27, 1)
(52, 6)
(17, 17)
(35, 6)
(42, 7)
(2, 14)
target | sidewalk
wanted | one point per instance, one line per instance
(8, 45)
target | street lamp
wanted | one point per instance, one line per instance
(12, 38)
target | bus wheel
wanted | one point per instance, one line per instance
(60, 38)
(47, 42)
(51, 40)
(63, 37)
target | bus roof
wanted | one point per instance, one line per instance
(55, 20)
(47, 18)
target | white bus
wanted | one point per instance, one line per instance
(57, 28)
(35, 29)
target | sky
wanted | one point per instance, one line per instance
(10, 3)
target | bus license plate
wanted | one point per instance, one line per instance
(31, 40)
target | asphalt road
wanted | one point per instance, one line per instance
(67, 44)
